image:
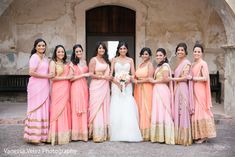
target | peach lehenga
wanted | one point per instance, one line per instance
(143, 96)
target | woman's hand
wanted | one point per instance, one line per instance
(171, 79)
(189, 77)
(108, 78)
(86, 75)
(69, 77)
(50, 76)
(135, 81)
(151, 80)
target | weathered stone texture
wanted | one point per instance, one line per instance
(229, 92)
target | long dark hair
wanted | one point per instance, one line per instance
(33, 51)
(120, 44)
(198, 45)
(74, 59)
(54, 58)
(163, 51)
(181, 45)
(105, 56)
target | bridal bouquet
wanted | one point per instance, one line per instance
(123, 77)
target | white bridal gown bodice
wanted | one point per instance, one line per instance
(124, 125)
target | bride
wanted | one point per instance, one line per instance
(124, 124)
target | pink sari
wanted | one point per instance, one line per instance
(143, 97)
(162, 124)
(183, 105)
(60, 111)
(37, 119)
(79, 104)
(99, 105)
(202, 120)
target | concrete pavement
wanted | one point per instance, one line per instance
(12, 144)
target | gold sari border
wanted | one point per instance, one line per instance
(36, 120)
(35, 134)
(59, 138)
(36, 127)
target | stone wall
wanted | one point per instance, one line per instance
(24, 21)
(229, 82)
(166, 24)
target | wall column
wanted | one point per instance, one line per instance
(229, 83)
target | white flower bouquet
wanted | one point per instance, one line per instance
(123, 77)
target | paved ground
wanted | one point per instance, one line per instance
(12, 144)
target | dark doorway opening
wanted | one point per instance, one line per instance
(110, 24)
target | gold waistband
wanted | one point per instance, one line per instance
(99, 73)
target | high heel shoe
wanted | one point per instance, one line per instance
(201, 141)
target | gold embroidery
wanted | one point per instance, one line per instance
(36, 127)
(160, 72)
(185, 70)
(183, 136)
(34, 141)
(36, 120)
(162, 133)
(98, 134)
(145, 134)
(204, 128)
(98, 139)
(35, 134)
(59, 68)
(79, 136)
(99, 73)
(59, 138)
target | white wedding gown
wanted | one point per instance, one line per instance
(124, 124)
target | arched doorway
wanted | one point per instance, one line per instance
(110, 24)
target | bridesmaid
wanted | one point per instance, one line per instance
(162, 124)
(143, 92)
(37, 119)
(60, 112)
(203, 126)
(79, 95)
(183, 103)
(99, 67)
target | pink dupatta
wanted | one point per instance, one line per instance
(178, 73)
(98, 99)
(81, 84)
(170, 85)
(60, 96)
(37, 86)
(202, 69)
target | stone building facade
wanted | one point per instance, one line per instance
(158, 24)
